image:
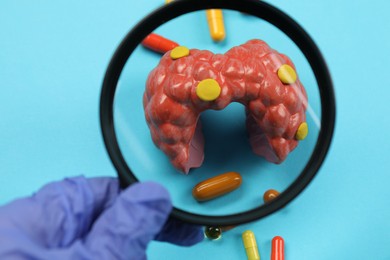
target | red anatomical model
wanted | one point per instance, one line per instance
(187, 82)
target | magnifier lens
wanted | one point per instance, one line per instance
(233, 140)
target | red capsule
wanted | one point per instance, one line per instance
(277, 251)
(158, 43)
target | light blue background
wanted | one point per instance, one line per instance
(53, 56)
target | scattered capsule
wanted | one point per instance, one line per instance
(216, 25)
(158, 43)
(213, 233)
(249, 240)
(216, 186)
(270, 195)
(277, 251)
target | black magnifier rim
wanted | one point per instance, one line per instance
(263, 11)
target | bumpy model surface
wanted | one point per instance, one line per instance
(187, 82)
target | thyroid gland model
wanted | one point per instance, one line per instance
(187, 82)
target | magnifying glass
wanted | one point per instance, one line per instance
(227, 133)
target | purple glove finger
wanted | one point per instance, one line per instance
(58, 214)
(179, 233)
(124, 230)
(87, 219)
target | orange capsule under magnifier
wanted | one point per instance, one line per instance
(216, 186)
(270, 195)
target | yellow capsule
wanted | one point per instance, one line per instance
(216, 25)
(249, 240)
(168, 1)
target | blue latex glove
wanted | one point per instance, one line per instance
(82, 218)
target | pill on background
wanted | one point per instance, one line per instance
(216, 186)
(216, 24)
(250, 245)
(277, 250)
(213, 233)
(270, 195)
(287, 74)
(158, 43)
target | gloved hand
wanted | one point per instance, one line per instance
(82, 218)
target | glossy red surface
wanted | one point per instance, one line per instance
(246, 74)
(277, 250)
(158, 43)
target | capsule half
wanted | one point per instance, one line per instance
(277, 251)
(216, 24)
(249, 240)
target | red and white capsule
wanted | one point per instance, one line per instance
(158, 43)
(277, 251)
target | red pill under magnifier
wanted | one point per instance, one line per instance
(158, 43)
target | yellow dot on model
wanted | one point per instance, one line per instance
(208, 90)
(179, 52)
(302, 131)
(216, 25)
(287, 74)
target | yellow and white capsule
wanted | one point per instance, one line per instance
(249, 240)
(216, 24)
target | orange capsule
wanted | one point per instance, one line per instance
(158, 43)
(270, 195)
(216, 186)
(277, 251)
